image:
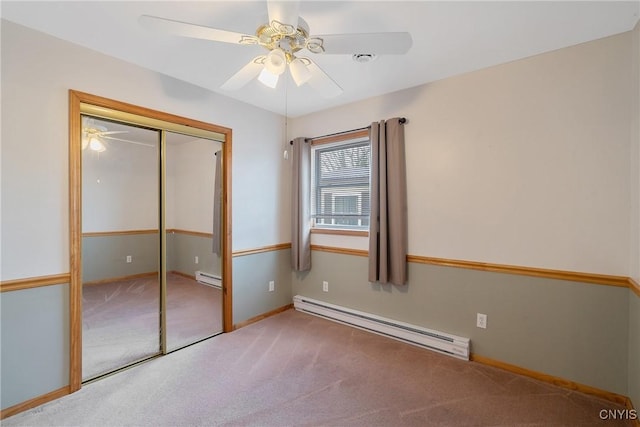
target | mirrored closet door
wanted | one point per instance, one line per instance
(150, 234)
(193, 241)
(120, 245)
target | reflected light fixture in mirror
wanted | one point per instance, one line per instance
(93, 143)
(96, 145)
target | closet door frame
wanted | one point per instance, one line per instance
(84, 103)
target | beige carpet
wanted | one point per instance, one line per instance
(121, 320)
(297, 369)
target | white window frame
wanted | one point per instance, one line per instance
(363, 225)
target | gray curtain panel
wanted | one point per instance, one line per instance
(301, 206)
(388, 218)
(217, 205)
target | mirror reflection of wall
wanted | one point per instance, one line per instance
(194, 304)
(120, 245)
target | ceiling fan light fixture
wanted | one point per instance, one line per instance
(299, 71)
(276, 62)
(268, 78)
(283, 34)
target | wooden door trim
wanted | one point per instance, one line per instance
(76, 98)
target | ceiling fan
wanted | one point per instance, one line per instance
(287, 39)
(93, 136)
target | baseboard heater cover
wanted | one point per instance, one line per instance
(209, 279)
(441, 342)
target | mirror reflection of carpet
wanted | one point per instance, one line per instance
(120, 319)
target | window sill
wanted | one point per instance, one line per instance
(340, 232)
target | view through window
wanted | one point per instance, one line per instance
(341, 184)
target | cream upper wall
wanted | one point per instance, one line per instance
(525, 163)
(191, 170)
(635, 158)
(120, 187)
(37, 72)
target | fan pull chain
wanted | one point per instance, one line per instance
(285, 155)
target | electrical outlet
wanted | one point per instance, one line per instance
(481, 321)
(272, 286)
(196, 259)
(325, 286)
(129, 260)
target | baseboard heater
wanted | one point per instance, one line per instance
(209, 279)
(448, 344)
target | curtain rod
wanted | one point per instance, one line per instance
(402, 120)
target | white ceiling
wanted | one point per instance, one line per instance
(449, 38)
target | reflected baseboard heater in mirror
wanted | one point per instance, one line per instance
(209, 279)
(441, 342)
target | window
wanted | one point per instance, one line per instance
(340, 184)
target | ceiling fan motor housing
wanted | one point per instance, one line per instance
(271, 38)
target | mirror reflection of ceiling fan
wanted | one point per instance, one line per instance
(287, 39)
(94, 136)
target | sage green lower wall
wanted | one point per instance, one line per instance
(182, 249)
(105, 257)
(34, 324)
(571, 330)
(251, 276)
(634, 349)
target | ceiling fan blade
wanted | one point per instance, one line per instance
(246, 74)
(377, 43)
(169, 26)
(111, 138)
(283, 16)
(321, 81)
